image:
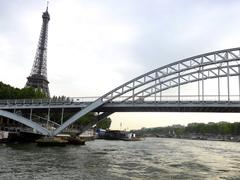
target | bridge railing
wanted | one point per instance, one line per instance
(121, 99)
(71, 100)
(175, 98)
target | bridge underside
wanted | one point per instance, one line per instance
(163, 106)
(36, 127)
(180, 108)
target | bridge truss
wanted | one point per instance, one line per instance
(149, 87)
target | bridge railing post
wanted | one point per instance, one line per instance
(228, 82)
(179, 84)
(202, 84)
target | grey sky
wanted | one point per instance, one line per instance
(97, 45)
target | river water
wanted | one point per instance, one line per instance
(153, 158)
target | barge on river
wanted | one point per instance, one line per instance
(119, 135)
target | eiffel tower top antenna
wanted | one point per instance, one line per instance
(47, 5)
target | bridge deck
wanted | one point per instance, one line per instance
(129, 106)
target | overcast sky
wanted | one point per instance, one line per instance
(96, 45)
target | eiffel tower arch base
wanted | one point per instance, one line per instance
(38, 82)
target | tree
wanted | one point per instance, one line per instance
(105, 123)
(9, 92)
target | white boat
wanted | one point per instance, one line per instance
(3, 136)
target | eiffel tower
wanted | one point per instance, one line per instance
(38, 76)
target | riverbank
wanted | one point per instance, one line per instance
(221, 131)
(227, 138)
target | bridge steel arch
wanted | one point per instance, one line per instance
(149, 86)
(25, 121)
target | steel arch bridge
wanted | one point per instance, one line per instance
(145, 92)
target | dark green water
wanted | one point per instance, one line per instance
(153, 158)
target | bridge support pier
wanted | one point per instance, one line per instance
(62, 116)
(30, 117)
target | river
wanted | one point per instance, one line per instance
(153, 158)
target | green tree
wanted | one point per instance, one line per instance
(9, 92)
(105, 123)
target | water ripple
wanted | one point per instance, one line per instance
(153, 158)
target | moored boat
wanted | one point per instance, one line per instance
(51, 141)
(120, 135)
(75, 141)
(3, 136)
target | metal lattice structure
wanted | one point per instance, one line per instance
(38, 76)
(149, 86)
(145, 93)
(224, 63)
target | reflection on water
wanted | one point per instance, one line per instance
(153, 158)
